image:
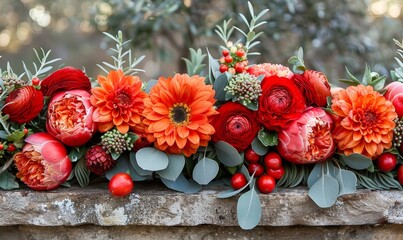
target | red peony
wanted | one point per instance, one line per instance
(314, 86)
(308, 139)
(236, 125)
(67, 78)
(23, 104)
(69, 117)
(281, 103)
(395, 95)
(43, 163)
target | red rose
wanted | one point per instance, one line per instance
(314, 86)
(236, 125)
(23, 104)
(67, 78)
(281, 103)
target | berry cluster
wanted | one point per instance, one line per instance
(398, 133)
(115, 142)
(233, 59)
(244, 88)
(266, 182)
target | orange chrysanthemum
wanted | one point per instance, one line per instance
(118, 101)
(178, 113)
(364, 121)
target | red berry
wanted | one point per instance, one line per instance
(120, 185)
(256, 168)
(223, 68)
(239, 67)
(225, 52)
(276, 173)
(11, 147)
(400, 174)
(238, 180)
(240, 52)
(272, 160)
(228, 59)
(251, 156)
(386, 162)
(266, 184)
(1, 146)
(35, 81)
(25, 131)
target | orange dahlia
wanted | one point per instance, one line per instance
(178, 113)
(118, 101)
(364, 121)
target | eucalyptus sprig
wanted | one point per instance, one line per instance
(195, 64)
(44, 65)
(369, 78)
(122, 57)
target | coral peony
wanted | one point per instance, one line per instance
(363, 121)
(43, 163)
(395, 95)
(118, 101)
(314, 86)
(65, 79)
(23, 104)
(178, 113)
(281, 103)
(268, 70)
(308, 139)
(69, 117)
(236, 125)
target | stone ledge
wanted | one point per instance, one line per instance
(151, 204)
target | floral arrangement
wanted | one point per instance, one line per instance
(251, 127)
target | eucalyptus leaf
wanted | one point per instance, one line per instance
(151, 159)
(357, 161)
(205, 171)
(150, 84)
(15, 135)
(325, 191)
(315, 174)
(214, 67)
(249, 209)
(227, 154)
(7, 181)
(175, 167)
(182, 184)
(136, 167)
(258, 147)
(219, 84)
(231, 192)
(76, 153)
(347, 182)
(115, 155)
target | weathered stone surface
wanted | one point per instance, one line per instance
(205, 232)
(151, 204)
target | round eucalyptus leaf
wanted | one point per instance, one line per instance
(174, 168)
(325, 191)
(151, 159)
(205, 171)
(227, 154)
(357, 161)
(249, 210)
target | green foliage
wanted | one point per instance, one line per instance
(43, 68)
(397, 74)
(357, 161)
(268, 138)
(151, 159)
(82, 173)
(182, 184)
(195, 64)
(227, 154)
(294, 175)
(368, 79)
(377, 180)
(175, 166)
(258, 147)
(122, 59)
(249, 209)
(298, 65)
(205, 171)
(7, 181)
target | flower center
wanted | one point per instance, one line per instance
(179, 114)
(122, 99)
(30, 168)
(279, 100)
(67, 113)
(237, 125)
(370, 117)
(319, 140)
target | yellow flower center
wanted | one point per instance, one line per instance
(179, 114)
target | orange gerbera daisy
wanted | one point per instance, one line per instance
(364, 121)
(178, 113)
(118, 101)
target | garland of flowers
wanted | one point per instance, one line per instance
(254, 127)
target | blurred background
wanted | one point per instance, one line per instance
(334, 34)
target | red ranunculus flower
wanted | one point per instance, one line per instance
(23, 104)
(236, 125)
(308, 139)
(314, 86)
(64, 79)
(69, 117)
(43, 163)
(281, 103)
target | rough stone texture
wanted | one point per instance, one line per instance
(384, 232)
(151, 204)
